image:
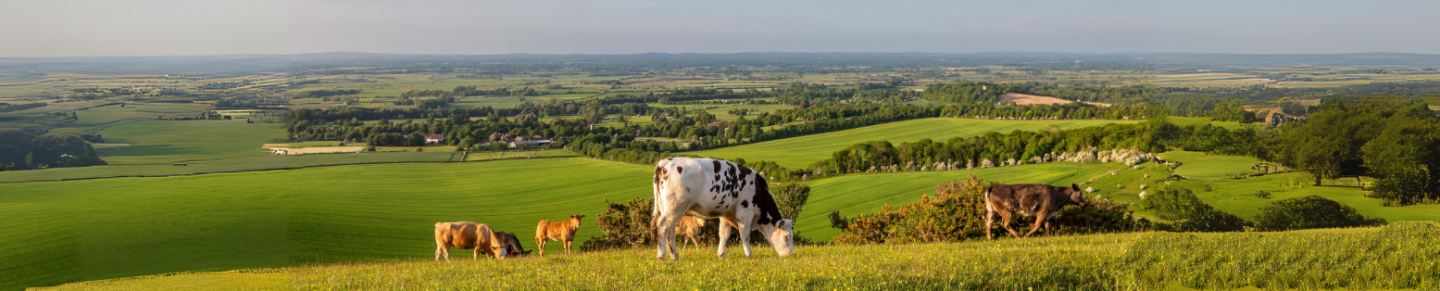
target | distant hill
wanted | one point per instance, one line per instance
(256, 64)
(187, 65)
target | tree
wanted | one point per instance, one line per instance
(1406, 161)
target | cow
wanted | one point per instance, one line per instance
(510, 243)
(689, 226)
(466, 235)
(559, 231)
(711, 188)
(1041, 201)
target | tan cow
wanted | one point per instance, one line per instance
(510, 243)
(1041, 201)
(689, 226)
(466, 235)
(559, 231)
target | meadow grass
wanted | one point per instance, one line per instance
(800, 152)
(1395, 257)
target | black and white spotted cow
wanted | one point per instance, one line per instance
(710, 188)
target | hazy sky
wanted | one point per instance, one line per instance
(36, 28)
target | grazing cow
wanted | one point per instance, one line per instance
(710, 188)
(560, 230)
(466, 235)
(510, 243)
(1041, 201)
(689, 226)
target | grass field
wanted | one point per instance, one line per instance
(1239, 196)
(60, 232)
(110, 228)
(800, 152)
(1394, 257)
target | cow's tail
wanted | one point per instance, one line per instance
(988, 208)
(540, 231)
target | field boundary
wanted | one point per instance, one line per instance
(283, 169)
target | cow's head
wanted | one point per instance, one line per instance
(577, 217)
(1077, 196)
(781, 236)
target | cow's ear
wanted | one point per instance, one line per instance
(1075, 186)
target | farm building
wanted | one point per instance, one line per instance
(434, 138)
(529, 143)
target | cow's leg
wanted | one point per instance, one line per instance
(989, 221)
(1047, 227)
(567, 245)
(665, 232)
(439, 247)
(724, 236)
(745, 239)
(1039, 220)
(1005, 220)
(541, 242)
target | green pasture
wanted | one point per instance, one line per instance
(1392, 257)
(800, 152)
(1183, 121)
(60, 232)
(866, 193)
(1202, 166)
(166, 141)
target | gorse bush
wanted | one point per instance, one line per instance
(624, 225)
(958, 213)
(1310, 212)
(1188, 213)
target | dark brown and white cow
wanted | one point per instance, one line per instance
(710, 188)
(1040, 201)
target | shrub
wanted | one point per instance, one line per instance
(1263, 194)
(624, 225)
(1189, 213)
(1310, 212)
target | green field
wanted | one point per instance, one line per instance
(85, 230)
(800, 152)
(1394, 257)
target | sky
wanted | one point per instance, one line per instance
(62, 28)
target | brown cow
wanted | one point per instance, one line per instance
(688, 226)
(1041, 201)
(510, 243)
(560, 231)
(466, 235)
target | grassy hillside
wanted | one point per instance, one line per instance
(1393, 257)
(800, 152)
(121, 227)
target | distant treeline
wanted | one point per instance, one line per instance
(324, 93)
(7, 107)
(21, 150)
(984, 92)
